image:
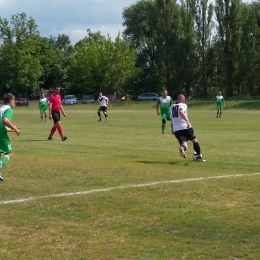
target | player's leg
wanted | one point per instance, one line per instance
(196, 145)
(45, 115)
(58, 126)
(220, 111)
(104, 109)
(99, 114)
(41, 115)
(163, 122)
(6, 148)
(182, 141)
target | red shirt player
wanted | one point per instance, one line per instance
(55, 107)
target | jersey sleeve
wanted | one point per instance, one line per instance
(51, 99)
(8, 113)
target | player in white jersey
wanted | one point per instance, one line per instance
(103, 101)
(182, 128)
(43, 106)
(220, 102)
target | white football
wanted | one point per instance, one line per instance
(194, 156)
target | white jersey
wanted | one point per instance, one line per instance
(177, 121)
(103, 101)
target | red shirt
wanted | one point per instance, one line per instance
(55, 100)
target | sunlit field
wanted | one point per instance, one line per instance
(120, 190)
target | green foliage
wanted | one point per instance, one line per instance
(100, 64)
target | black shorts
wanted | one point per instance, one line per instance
(55, 116)
(103, 109)
(185, 135)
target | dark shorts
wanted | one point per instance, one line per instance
(55, 116)
(185, 135)
(103, 109)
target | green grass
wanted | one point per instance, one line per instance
(206, 219)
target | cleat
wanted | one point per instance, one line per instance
(64, 138)
(1, 178)
(182, 152)
(99, 120)
(50, 138)
(106, 121)
(163, 133)
(200, 159)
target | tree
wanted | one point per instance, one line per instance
(20, 67)
(100, 64)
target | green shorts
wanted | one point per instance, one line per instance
(219, 107)
(165, 116)
(5, 145)
(43, 109)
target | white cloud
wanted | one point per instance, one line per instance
(71, 17)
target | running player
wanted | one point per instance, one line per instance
(164, 103)
(55, 107)
(182, 128)
(103, 101)
(6, 114)
(220, 102)
(43, 105)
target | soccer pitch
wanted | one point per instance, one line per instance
(121, 190)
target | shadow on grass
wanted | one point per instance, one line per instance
(31, 140)
(156, 162)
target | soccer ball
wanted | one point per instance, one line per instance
(194, 156)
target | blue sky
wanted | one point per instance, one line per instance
(71, 17)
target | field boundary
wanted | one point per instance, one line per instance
(141, 185)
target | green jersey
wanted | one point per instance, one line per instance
(43, 104)
(219, 100)
(5, 111)
(165, 104)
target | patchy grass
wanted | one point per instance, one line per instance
(207, 219)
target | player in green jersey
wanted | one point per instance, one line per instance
(220, 102)
(43, 106)
(6, 114)
(164, 103)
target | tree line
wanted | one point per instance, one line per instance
(192, 46)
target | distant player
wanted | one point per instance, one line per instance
(220, 102)
(6, 114)
(55, 107)
(182, 128)
(164, 103)
(43, 106)
(103, 101)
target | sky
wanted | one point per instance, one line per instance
(70, 17)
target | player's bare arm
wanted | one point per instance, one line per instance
(10, 126)
(62, 111)
(157, 109)
(184, 117)
(50, 108)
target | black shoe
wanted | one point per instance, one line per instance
(99, 120)
(50, 138)
(64, 138)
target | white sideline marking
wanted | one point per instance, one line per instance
(124, 187)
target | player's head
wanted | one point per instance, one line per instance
(219, 93)
(181, 98)
(57, 89)
(164, 93)
(9, 99)
(42, 95)
(100, 94)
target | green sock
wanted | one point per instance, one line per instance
(41, 117)
(3, 161)
(163, 127)
(220, 114)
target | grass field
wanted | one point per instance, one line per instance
(125, 191)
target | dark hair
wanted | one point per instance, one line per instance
(8, 97)
(57, 86)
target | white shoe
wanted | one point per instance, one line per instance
(182, 152)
